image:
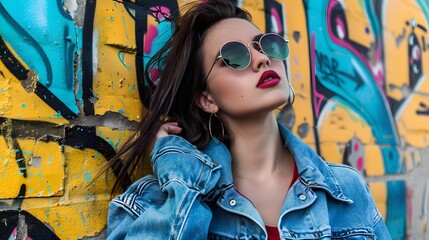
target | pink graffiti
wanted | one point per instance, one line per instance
(277, 20)
(341, 27)
(15, 234)
(359, 164)
(415, 55)
(154, 74)
(160, 12)
(318, 98)
(149, 38)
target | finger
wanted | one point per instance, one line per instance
(174, 130)
(172, 123)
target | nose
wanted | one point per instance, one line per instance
(259, 59)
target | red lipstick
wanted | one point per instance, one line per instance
(268, 79)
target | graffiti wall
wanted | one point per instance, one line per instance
(70, 96)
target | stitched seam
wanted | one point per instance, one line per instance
(126, 206)
(128, 200)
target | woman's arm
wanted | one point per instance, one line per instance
(183, 176)
(380, 229)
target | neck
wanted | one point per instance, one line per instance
(256, 147)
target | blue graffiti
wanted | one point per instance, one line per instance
(46, 38)
(344, 72)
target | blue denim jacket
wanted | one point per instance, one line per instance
(193, 197)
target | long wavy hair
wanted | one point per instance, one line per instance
(174, 95)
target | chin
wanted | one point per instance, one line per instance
(280, 99)
(279, 104)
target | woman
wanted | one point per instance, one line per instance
(223, 168)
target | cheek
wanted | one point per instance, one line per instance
(229, 92)
(226, 91)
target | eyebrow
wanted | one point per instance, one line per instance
(257, 37)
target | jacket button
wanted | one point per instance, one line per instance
(302, 197)
(232, 202)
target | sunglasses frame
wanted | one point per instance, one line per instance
(249, 51)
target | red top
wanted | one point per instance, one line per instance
(273, 232)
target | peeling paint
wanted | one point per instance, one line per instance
(30, 83)
(35, 161)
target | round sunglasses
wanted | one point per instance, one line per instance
(236, 55)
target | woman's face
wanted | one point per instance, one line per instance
(242, 93)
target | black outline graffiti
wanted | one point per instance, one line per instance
(20, 72)
(36, 229)
(79, 137)
(87, 41)
(424, 110)
(142, 9)
(339, 12)
(328, 69)
(268, 20)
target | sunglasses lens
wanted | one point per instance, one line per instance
(275, 46)
(235, 55)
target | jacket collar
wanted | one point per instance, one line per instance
(313, 171)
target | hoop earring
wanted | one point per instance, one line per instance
(291, 98)
(210, 129)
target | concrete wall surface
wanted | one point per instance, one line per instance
(69, 98)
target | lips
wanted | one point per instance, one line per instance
(268, 79)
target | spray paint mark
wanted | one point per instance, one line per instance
(87, 176)
(83, 218)
(121, 57)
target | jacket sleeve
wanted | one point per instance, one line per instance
(380, 229)
(379, 226)
(183, 176)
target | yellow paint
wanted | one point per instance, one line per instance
(338, 123)
(413, 123)
(82, 211)
(358, 22)
(73, 220)
(374, 164)
(16, 103)
(396, 51)
(332, 152)
(256, 8)
(379, 192)
(9, 170)
(299, 65)
(396, 54)
(43, 180)
(417, 158)
(115, 77)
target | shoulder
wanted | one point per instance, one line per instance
(354, 187)
(346, 174)
(351, 182)
(141, 195)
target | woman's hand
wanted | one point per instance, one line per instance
(168, 129)
(176, 163)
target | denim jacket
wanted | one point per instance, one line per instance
(191, 195)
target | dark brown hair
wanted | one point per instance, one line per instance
(176, 92)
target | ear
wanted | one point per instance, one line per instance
(207, 103)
